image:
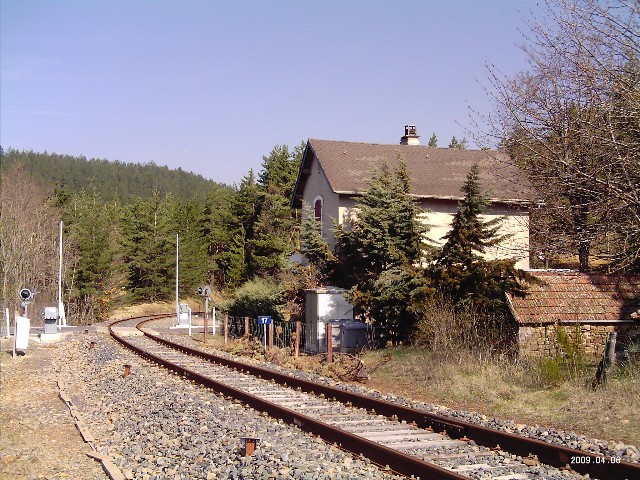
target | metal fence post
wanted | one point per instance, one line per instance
(298, 332)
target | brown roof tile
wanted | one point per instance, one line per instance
(566, 296)
(435, 172)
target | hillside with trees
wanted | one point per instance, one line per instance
(121, 249)
(110, 180)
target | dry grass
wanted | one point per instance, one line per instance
(511, 390)
(142, 310)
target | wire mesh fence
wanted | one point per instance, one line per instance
(284, 332)
(346, 336)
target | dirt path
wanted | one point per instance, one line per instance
(38, 437)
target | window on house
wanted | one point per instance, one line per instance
(317, 209)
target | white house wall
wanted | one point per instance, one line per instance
(514, 222)
(318, 186)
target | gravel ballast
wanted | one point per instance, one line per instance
(154, 425)
(619, 450)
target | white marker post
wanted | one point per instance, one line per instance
(264, 320)
(62, 318)
(7, 319)
(21, 335)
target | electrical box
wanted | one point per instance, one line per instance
(50, 320)
(185, 314)
(324, 305)
(353, 336)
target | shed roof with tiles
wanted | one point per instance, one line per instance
(572, 296)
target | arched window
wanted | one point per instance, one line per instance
(317, 212)
(317, 209)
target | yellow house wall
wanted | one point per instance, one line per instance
(439, 216)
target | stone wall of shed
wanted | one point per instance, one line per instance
(541, 340)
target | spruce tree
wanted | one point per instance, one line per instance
(460, 271)
(433, 141)
(148, 245)
(380, 253)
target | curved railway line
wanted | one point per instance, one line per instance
(408, 441)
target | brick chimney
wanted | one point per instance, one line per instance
(410, 136)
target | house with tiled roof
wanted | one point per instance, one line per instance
(590, 306)
(333, 174)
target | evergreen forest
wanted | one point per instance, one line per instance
(111, 180)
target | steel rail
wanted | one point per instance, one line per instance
(379, 454)
(596, 465)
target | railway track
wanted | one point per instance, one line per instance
(407, 441)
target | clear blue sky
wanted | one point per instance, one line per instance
(212, 86)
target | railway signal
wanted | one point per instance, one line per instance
(26, 294)
(26, 297)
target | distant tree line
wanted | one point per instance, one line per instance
(111, 180)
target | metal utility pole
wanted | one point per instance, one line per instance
(177, 300)
(206, 319)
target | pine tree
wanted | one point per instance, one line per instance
(220, 247)
(313, 247)
(235, 219)
(460, 144)
(91, 232)
(194, 262)
(273, 241)
(433, 140)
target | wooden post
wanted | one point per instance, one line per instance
(246, 327)
(226, 328)
(270, 333)
(297, 344)
(328, 334)
(611, 352)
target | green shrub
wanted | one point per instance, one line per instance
(260, 296)
(550, 372)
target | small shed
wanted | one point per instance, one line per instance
(586, 305)
(322, 305)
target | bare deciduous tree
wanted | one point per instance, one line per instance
(572, 121)
(28, 242)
